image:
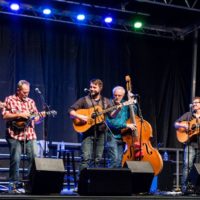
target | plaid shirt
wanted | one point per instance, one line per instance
(15, 105)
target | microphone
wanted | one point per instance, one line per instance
(38, 91)
(86, 90)
(191, 108)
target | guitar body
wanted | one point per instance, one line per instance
(20, 124)
(184, 135)
(81, 126)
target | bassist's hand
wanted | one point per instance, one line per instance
(131, 126)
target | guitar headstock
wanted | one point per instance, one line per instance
(52, 112)
(129, 102)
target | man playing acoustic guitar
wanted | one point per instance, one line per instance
(94, 98)
(20, 107)
(187, 130)
(88, 114)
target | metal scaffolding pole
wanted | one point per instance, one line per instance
(194, 65)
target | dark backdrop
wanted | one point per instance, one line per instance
(60, 60)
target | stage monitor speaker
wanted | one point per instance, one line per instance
(47, 176)
(194, 175)
(105, 181)
(142, 175)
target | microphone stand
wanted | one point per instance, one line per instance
(198, 139)
(24, 149)
(188, 149)
(95, 130)
(46, 108)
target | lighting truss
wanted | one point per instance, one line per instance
(66, 11)
(184, 4)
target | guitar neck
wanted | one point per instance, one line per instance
(40, 114)
(108, 110)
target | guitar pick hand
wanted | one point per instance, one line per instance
(24, 115)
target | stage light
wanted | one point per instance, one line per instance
(80, 17)
(108, 19)
(14, 6)
(46, 11)
(138, 25)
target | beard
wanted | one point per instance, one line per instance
(94, 94)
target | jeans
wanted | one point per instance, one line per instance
(15, 148)
(186, 163)
(87, 151)
(115, 151)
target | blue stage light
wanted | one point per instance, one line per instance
(46, 11)
(108, 19)
(80, 17)
(14, 6)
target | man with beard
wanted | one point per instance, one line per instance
(92, 144)
(189, 123)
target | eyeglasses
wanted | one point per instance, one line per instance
(118, 95)
(196, 102)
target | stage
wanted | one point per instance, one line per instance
(77, 197)
(71, 195)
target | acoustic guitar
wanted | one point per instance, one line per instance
(21, 123)
(95, 115)
(183, 134)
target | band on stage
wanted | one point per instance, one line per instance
(113, 126)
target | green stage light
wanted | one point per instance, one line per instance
(138, 25)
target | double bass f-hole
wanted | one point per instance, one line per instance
(147, 149)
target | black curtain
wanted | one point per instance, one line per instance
(60, 60)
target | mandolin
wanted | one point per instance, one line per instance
(183, 134)
(95, 115)
(21, 123)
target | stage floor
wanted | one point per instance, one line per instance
(54, 197)
(68, 195)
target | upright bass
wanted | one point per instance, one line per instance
(138, 143)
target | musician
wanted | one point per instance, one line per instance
(94, 98)
(190, 145)
(19, 106)
(114, 137)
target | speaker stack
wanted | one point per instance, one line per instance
(135, 178)
(47, 176)
(142, 175)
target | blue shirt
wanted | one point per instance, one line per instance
(119, 122)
